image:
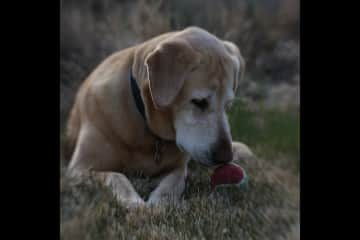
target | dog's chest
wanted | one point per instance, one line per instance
(156, 160)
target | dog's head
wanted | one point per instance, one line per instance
(193, 76)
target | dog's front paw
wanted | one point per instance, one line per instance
(154, 201)
(162, 200)
(241, 152)
(133, 203)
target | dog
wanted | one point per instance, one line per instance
(151, 108)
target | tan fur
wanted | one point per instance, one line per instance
(108, 134)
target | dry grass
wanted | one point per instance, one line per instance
(268, 208)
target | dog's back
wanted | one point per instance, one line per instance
(72, 132)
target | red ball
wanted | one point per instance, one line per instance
(229, 173)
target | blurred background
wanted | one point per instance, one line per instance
(265, 116)
(267, 32)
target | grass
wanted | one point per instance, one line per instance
(268, 208)
(272, 133)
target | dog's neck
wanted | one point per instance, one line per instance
(137, 95)
(160, 143)
(141, 108)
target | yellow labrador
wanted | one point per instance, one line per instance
(153, 107)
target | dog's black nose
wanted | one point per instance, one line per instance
(222, 152)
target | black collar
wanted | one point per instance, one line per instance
(159, 143)
(140, 104)
(137, 96)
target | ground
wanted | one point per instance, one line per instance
(267, 208)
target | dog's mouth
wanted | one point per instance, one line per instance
(201, 160)
(204, 161)
(181, 148)
(209, 164)
(204, 164)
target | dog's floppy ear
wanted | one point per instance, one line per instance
(167, 67)
(238, 60)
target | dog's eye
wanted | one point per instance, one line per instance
(200, 103)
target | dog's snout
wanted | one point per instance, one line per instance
(222, 152)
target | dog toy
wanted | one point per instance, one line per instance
(227, 175)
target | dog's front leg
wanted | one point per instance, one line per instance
(241, 151)
(170, 187)
(118, 183)
(122, 188)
